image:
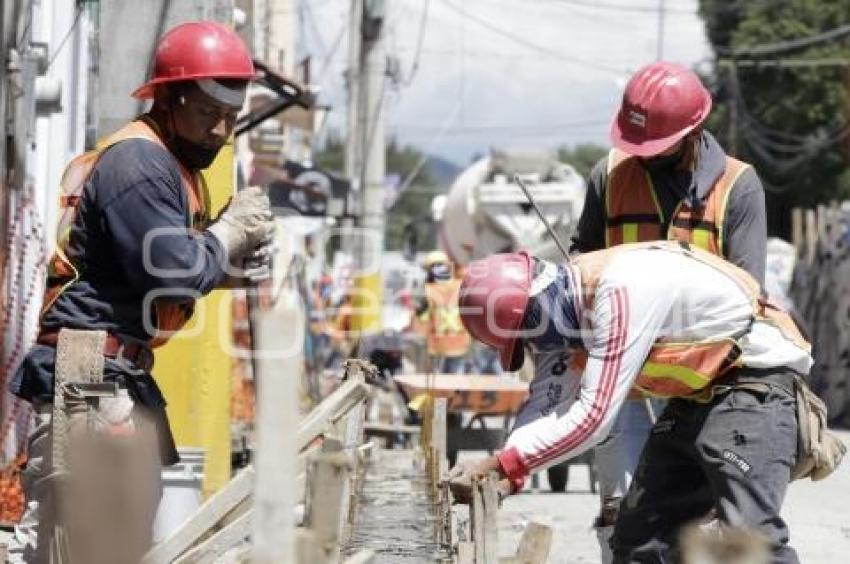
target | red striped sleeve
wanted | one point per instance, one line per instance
(612, 361)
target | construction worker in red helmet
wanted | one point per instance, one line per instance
(701, 334)
(666, 177)
(136, 247)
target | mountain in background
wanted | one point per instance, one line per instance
(442, 171)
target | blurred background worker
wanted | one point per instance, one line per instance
(438, 316)
(136, 247)
(665, 178)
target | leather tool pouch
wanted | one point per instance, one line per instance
(819, 451)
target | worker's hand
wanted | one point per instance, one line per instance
(258, 263)
(245, 224)
(460, 478)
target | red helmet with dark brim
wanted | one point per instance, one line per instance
(199, 51)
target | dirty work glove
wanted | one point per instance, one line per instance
(244, 224)
(257, 264)
(460, 478)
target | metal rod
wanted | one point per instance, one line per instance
(545, 221)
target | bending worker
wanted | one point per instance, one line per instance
(665, 178)
(726, 441)
(136, 248)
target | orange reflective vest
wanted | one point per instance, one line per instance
(444, 331)
(681, 369)
(633, 214)
(61, 270)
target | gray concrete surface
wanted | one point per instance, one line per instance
(818, 514)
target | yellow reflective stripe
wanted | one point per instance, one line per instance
(691, 378)
(630, 233)
(701, 238)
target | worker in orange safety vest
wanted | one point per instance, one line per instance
(702, 334)
(437, 316)
(136, 247)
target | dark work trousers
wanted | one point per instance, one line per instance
(733, 455)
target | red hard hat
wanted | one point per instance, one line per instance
(492, 300)
(196, 51)
(662, 103)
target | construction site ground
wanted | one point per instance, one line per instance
(817, 513)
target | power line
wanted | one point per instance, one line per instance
(625, 7)
(422, 25)
(65, 39)
(540, 49)
(505, 128)
(768, 49)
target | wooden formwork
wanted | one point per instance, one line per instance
(478, 540)
(316, 465)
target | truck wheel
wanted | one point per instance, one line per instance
(558, 476)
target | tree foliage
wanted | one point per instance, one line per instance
(582, 157)
(401, 160)
(791, 120)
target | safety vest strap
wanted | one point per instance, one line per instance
(62, 272)
(632, 213)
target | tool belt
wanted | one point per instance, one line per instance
(136, 352)
(819, 451)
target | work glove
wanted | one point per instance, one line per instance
(460, 478)
(245, 225)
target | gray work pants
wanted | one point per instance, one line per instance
(733, 455)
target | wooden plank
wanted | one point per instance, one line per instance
(332, 408)
(327, 501)
(210, 513)
(465, 552)
(362, 557)
(484, 514)
(480, 394)
(278, 379)
(227, 538)
(535, 544)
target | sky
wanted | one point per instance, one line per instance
(502, 73)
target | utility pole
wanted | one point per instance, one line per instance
(365, 154)
(660, 46)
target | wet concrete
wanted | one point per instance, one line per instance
(395, 517)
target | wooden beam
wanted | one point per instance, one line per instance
(484, 513)
(362, 557)
(224, 540)
(326, 508)
(205, 518)
(533, 547)
(278, 380)
(331, 410)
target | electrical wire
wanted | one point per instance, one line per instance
(419, 43)
(624, 7)
(767, 49)
(65, 39)
(539, 48)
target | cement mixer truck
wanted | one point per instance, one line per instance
(485, 212)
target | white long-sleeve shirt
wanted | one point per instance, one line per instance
(644, 296)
